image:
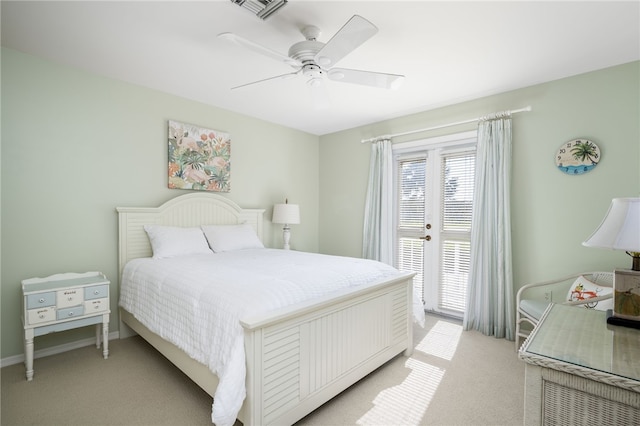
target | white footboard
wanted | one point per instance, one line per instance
(298, 361)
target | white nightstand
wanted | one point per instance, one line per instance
(63, 302)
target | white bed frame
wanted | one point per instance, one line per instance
(298, 357)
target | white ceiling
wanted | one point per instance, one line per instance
(449, 51)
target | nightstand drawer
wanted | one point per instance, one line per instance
(96, 305)
(69, 297)
(96, 292)
(40, 300)
(35, 316)
(76, 311)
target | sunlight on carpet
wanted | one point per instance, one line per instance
(407, 402)
(441, 341)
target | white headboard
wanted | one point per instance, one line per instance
(193, 209)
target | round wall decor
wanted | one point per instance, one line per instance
(577, 156)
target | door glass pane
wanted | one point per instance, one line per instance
(456, 204)
(457, 191)
(411, 212)
(454, 274)
(411, 190)
(411, 259)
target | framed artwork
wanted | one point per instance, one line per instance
(626, 295)
(199, 158)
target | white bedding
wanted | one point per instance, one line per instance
(196, 302)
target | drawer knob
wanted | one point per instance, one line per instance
(41, 300)
(70, 314)
(96, 292)
(41, 316)
(69, 298)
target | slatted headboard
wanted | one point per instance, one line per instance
(188, 210)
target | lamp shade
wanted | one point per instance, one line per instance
(620, 229)
(288, 214)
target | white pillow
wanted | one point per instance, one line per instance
(583, 289)
(171, 241)
(231, 237)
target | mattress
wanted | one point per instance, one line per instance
(197, 302)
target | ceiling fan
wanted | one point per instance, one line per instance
(314, 59)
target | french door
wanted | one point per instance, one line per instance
(433, 207)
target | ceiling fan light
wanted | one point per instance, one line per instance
(315, 82)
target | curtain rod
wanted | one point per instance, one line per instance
(515, 111)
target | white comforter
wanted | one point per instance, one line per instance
(197, 302)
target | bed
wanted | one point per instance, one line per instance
(297, 356)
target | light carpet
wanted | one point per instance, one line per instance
(452, 378)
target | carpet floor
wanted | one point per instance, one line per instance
(452, 378)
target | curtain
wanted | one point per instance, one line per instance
(377, 241)
(490, 286)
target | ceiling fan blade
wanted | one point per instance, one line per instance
(367, 78)
(355, 32)
(258, 48)
(277, 77)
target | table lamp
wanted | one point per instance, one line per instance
(620, 230)
(287, 214)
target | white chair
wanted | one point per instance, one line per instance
(592, 290)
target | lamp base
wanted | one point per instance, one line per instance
(286, 236)
(635, 263)
(621, 321)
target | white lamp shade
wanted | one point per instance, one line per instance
(620, 229)
(288, 214)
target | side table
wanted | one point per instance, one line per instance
(580, 370)
(63, 302)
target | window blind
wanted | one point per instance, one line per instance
(412, 192)
(411, 213)
(456, 208)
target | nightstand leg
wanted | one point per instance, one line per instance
(28, 353)
(105, 336)
(98, 335)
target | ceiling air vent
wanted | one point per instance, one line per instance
(262, 8)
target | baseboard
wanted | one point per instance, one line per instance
(17, 359)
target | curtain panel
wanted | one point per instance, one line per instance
(490, 286)
(377, 241)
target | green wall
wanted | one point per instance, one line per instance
(552, 213)
(75, 146)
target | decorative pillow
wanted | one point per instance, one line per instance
(583, 289)
(171, 241)
(231, 237)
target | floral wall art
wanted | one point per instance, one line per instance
(199, 158)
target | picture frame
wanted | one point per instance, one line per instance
(199, 158)
(626, 298)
